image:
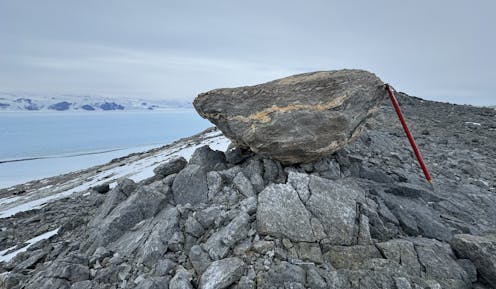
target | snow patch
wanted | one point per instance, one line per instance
(8, 200)
(5, 256)
(473, 123)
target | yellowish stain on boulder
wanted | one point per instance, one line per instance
(264, 115)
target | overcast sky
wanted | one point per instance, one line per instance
(440, 50)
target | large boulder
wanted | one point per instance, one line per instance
(296, 119)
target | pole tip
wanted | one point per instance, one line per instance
(430, 183)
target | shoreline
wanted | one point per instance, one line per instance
(76, 154)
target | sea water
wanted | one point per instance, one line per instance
(36, 145)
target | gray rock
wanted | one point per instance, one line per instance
(243, 185)
(300, 182)
(438, 261)
(193, 227)
(281, 274)
(481, 250)
(154, 283)
(190, 185)
(164, 267)
(222, 273)
(117, 195)
(258, 182)
(182, 280)
(125, 186)
(328, 168)
(469, 267)
(402, 283)
(230, 173)
(218, 244)
(293, 285)
(145, 203)
(208, 159)
(70, 271)
(262, 246)
(351, 257)
(242, 248)
(375, 174)
(208, 216)
(235, 155)
(199, 259)
(101, 189)
(48, 283)
(273, 172)
(336, 205)
(281, 213)
(176, 241)
(283, 118)
(403, 253)
(249, 205)
(309, 252)
(87, 284)
(9, 280)
(160, 232)
(314, 280)
(245, 283)
(214, 183)
(364, 237)
(172, 166)
(31, 262)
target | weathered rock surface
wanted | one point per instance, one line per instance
(173, 166)
(310, 210)
(298, 118)
(481, 250)
(220, 274)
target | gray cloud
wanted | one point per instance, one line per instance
(441, 50)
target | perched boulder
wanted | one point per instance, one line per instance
(295, 119)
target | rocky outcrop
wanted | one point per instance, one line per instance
(298, 118)
(360, 218)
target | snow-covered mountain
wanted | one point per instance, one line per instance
(32, 102)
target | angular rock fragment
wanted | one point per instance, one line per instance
(351, 257)
(218, 244)
(481, 250)
(199, 259)
(208, 159)
(298, 118)
(336, 206)
(181, 280)
(222, 273)
(172, 166)
(282, 274)
(190, 186)
(282, 214)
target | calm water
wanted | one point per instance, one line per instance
(66, 138)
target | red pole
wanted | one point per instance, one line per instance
(408, 134)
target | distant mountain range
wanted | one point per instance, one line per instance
(25, 102)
